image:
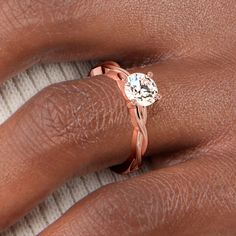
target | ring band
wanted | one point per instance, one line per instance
(139, 91)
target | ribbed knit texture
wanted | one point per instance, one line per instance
(13, 94)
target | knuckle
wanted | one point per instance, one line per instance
(108, 208)
(21, 14)
(16, 15)
(118, 203)
(78, 112)
(61, 109)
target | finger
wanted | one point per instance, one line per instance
(81, 126)
(194, 198)
(49, 139)
(37, 30)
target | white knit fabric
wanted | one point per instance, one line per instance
(13, 94)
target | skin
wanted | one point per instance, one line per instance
(190, 46)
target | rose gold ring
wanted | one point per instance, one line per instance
(139, 91)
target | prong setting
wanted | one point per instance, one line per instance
(150, 74)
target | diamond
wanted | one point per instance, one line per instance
(141, 89)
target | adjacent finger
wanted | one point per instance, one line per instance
(80, 126)
(38, 30)
(194, 198)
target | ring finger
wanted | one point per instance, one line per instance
(60, 132)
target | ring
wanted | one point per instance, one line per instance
(139, 91)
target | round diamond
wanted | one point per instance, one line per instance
(141, 89)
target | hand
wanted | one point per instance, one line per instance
(81, 126)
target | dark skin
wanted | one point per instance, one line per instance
(190, 46)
